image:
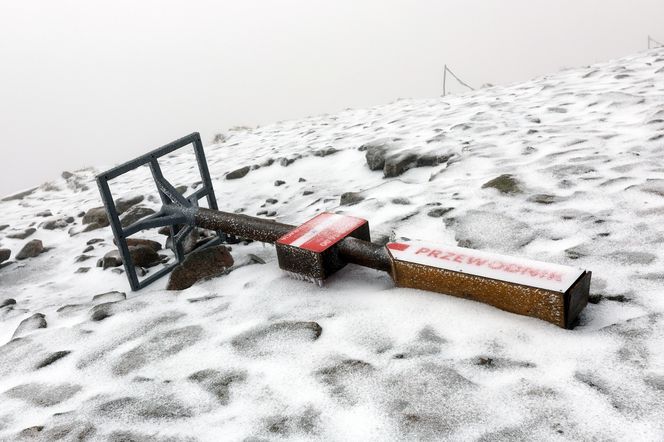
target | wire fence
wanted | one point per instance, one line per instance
(652, 43)
(445, 71)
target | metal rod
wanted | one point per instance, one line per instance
(353, 250)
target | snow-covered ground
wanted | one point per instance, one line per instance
(239, 357)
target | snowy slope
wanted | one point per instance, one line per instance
(216, 362)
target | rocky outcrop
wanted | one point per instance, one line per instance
(4, 255)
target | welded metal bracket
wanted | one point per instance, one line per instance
(177, 211)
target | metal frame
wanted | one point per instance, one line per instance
(177, 211)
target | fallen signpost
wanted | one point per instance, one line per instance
(329, 241)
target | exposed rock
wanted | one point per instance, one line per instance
(110, 259)
(201, 264)
(44, 213)
(31, 249)
(43, 395)
(81, 258)
(238, 173)
(218, 383)
(134, 214)
(7, 302)
(4, 255)
(307, 192)
(95, 218)
(439, 211)
(279, 183)
(94, 241)
(350, 198)
(88, 249)
(544, 198)
(505, 183)
(82, 270)
(396, 165)
(3, 227)
(27, 325)
(19, 195)
(66, 175)
(109, 297)
(401, 201)
(124, 204)
(325, 152)
(23, 234)
(31, 432)
(102, 311)
(53, 357)
(144, 256)
(375, 156)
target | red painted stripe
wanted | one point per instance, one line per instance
(333, 234)
(397, 246)
(303, 229)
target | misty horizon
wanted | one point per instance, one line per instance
(97, 84)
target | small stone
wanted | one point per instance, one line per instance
(201, 264)
(325, 152)
(66, 175)
(144, 256)
(53, 357)
(279, 183)
(82, 258)
(238, 173)
(375, 156)
(286, 161)
(154, 245)
(82, 270)
(4, 255)
(438, 212)
(543, 198)
(94, 241)
(401, 201)
(118, 271)
(34, 322)
(96, 217)
(7, 302)
(111, 259)
(3, 227)
(22, 235)
(307, 192)
(271, 201)
(102, 311)
(31, 249)
(44, 213)
(301, 180)
(505, 183)
(88, 249)
(109, 297)
(59, 223)
(350, 198)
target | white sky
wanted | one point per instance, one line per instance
(99, 82)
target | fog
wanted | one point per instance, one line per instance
(98, 82)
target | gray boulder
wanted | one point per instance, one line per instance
(4, 255)
(34, 322)
(124, 204)
(23, 234)
(134, 214)
(201, 264)
(109, 297)
(31, 249)
(111, 259)
(95, 218)
(238, 173)
(505, 183)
